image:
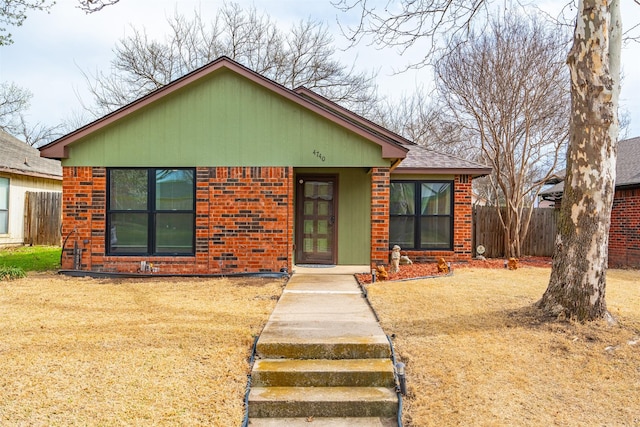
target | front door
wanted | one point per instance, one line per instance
(316, 219)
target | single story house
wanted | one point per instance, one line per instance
(21, 170)
(226, 171)
(624, 234)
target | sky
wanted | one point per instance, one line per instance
(51, 51)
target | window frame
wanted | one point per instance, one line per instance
(8, 202)
(418, 215)
(151, 212)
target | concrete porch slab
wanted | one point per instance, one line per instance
(334, 269)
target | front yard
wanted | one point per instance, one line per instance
(86, 352)
(477, 354)
(79, 351)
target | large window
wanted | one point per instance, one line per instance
(421, 215)
(151, 211)
(4, 205)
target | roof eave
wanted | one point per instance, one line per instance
(474, 172)
(30, 173)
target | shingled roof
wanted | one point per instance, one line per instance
(627, 170)
(423, 160)
(628, 163)
(17, 157)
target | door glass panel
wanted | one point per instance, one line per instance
(308, 226)
(308, 208)
(323, 245)
(308, 245)
(323, 208)
(323, 227)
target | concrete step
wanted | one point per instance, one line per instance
(323, 422)
(344, 347)
(269, 402)
(323, 373)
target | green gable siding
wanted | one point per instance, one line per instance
(354, 213)
(224, 119)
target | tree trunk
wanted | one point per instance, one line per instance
(578, 276)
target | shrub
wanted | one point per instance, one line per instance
(10, 273)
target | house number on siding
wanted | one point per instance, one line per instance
(319, 155)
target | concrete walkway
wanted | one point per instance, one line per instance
(327, 340)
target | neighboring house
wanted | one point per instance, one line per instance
(21, 170)
(624, 234)
(224, 171)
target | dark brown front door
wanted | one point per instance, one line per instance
(316, 219)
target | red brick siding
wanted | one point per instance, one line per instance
(244, 222)
(624, 235)
(380, 216)
(462, 226)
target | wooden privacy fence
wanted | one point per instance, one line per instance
(42, 218)
(488, 232)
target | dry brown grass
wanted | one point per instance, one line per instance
(478, 354)
(128, 352)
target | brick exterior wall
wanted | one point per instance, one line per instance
(624, 235)
(244, 222)
(462, 227)
(380, 216)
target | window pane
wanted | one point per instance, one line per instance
(401, 231)
(435, 232)
(4, 205)
(128, 189)
(436, 198)
(4, 222)
(174, 190)
(128, 233)
(174, 233)
(402, 198)
(4, 193)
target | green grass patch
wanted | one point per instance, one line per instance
(31, 258)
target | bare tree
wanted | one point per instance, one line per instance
(508, 87)
(14, 100)
(303, 56)
(404, 24)
(14, 103)
(91, 6)
(578, 278)
(13, 13)
(420, 117)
